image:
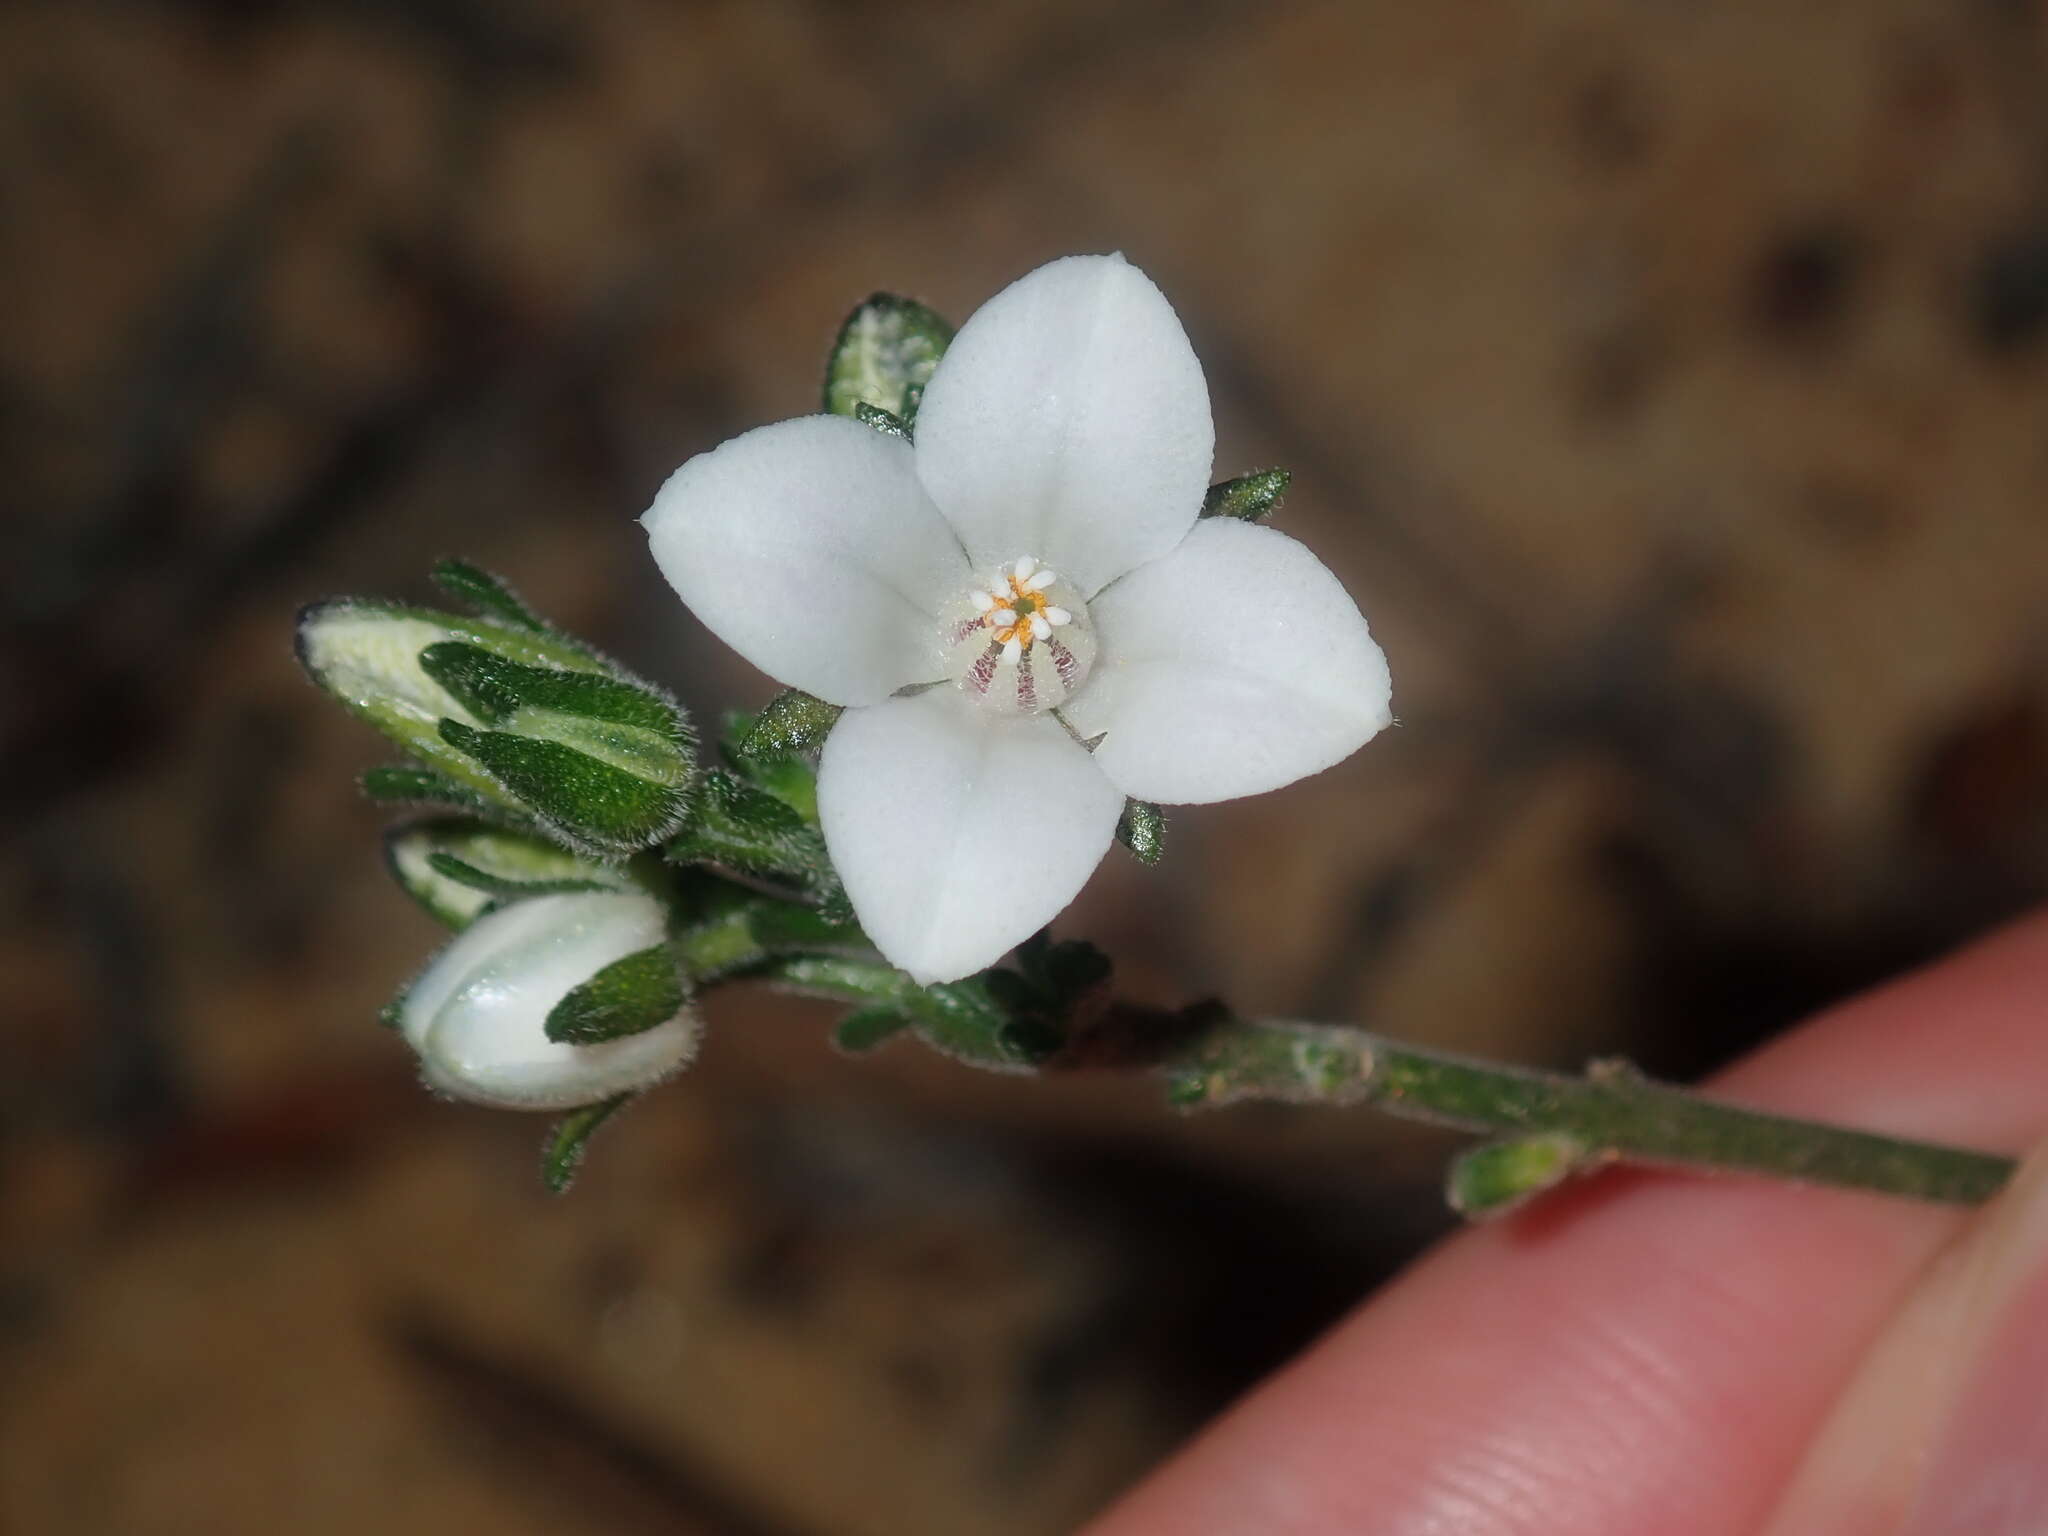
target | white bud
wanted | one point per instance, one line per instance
(478, 1014)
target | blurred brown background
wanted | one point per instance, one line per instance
(1668, 380)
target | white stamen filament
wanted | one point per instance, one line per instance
(1012, 649)
(1059, 616)
(1041, 581)
(1004, 616)
(1024, 567)
(982, 601)
(1040, 629)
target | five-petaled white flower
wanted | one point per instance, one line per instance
(1037, 553)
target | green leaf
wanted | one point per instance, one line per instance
(367, 656)
(401, 784)
(736, 825)
(962, 1019)
(794, 722)
(1500, 1176)
(884, 356)
(455, 866)
(1253, 498)
(590, 801)
(882, 421)
(865, 1028)
(1142, 829)
(494, 688)
(627, 997)
(488, 595)
(498, 886)
(561, 1155)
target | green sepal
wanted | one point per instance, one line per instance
(456, 866)
(500, 888)
(882, 421)
(884, 356)
(629, 996)
(1142, 829)
(495, 689)
(561, 1155)
(488, 595)
(1501, 1176)
(736, 825)
(366, 655)
(865, 1028)
(592, 804)
(794, 722)
(1252, 498)
(402, 784)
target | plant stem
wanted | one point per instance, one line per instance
(1612, 1114)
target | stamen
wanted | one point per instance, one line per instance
(1040, 582)
(984, 671)
(1004, 616)
(1063, 663)
(1058, 616)
(1012, 649)
(1023, 568)
(1040, 630)
(982, 601)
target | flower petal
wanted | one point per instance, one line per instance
(478, 1013)
(1069, 421)
(1233, 666)
(959, 832)
(811, 548)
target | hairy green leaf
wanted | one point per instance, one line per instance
(640, 992)
(561, 1155)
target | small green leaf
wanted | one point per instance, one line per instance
(454, 866)
(561, 1154)
(589, 802)
(794, 722)
(498, 886)
(487, 594)
(1501, 1176)
(961, 1019)
(735, 825)
(400, 784)
(638, 993)
(1253, 498)
(1142, 829)
(884, 356)
(882, 421)
(865, 1028)
(494, 688)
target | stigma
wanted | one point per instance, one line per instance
(1020, 642)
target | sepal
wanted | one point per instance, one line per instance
(1142, 829)
(884, 356)
(456, 866)
(1250, 498)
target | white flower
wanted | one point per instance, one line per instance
(478, 1014)
(1037, 551)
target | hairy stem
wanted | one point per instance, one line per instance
(1612, 1114)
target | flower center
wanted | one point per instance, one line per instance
(1020, 643)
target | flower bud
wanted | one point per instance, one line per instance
(511, 717)
(495, 1014)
